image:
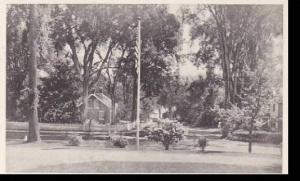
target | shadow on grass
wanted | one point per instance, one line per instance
(59, 148)
(15, 142)
(22, 142)
(208, 152)
(152, 167)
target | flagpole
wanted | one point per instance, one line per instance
(138, 85)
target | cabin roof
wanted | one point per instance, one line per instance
(102, 98)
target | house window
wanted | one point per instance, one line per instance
(274, 107)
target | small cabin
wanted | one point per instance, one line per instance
(99, 108)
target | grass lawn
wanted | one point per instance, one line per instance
(153, 167)
(222, 156)
(99, 156)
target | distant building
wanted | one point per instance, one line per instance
(275, 120)
(158, 112)
(99, 107)
(155, 114)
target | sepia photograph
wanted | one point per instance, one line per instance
(143, 88)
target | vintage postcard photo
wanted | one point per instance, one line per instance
(144, 87)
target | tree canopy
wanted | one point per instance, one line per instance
(88, 48)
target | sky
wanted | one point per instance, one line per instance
(187, 68)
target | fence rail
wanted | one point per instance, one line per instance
(49, 131)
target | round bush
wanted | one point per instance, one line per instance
(166, 132)
(75, 140)
(202, 142)
(120, 142)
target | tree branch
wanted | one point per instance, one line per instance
(74, 55)
(105, 60)
(81, 38)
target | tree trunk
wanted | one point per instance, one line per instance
(113, 108)
(228, 76)
(166, 147)
(170, 112)
(90, 129)
(113, 99)
(235, 90)
(74, 55)
(225, 55)
(225, 65)
(85, 100)
(159, 112)
(33, 131)
(227, 83)
(250, 136)
(124, 87)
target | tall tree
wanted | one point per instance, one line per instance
(90, 30)
(171, 93)
(236, 37)
(33, 132)
(17, 56)
(159, 30)
(107, 34)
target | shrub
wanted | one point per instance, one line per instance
(59, 95)
(75, 140)
(232, 119)
(202, 142)
(166, 132)
(120, 142)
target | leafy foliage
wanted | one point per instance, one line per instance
(18, 92)
(75, 140)
(107, 37)
(231, 119)
(202, 143)
(17, 54)
(167, 132)
(255, 103)
(120, 142)
(99, 40)
(194, 103)
(234, 37)
(58, 96)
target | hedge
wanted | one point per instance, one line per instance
(257, 136)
